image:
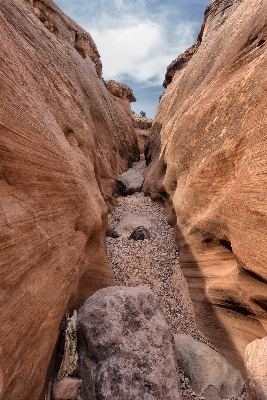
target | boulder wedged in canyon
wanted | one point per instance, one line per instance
(142, 127)
(63, 142)
(207, 155)
(130, 182)
(126, 348)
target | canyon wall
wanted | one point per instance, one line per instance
(63, 142)
(207, 161)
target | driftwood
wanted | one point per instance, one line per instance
(69, 363)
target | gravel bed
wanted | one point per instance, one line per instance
(154, 263)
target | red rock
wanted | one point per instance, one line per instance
(142, 127)
(207, 154)
(122, 94)
(63, 142)
(256, 361)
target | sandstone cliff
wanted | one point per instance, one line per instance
(207, 155)
(142, 127)
(63, 142)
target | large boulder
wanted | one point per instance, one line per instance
(207, 155)
(130, 221)
(256, 368)
(63, 142)
(126, 347)
(130, 182)
(209, 374)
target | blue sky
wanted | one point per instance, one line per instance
(138, 39)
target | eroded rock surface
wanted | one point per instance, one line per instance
(122, 94)
(207, 157)
(256, 361)
(63, 141)
(142, 127)
(209, 374)
(127, 350)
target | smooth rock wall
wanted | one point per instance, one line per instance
(63, 141)
(207, 154)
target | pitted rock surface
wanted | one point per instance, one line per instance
(126, 347)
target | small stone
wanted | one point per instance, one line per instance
(130, 221)
(66, 388)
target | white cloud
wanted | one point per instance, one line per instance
(141, 49)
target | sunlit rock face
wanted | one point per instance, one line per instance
(122, 94)
(142, 127)
(63, 142)
(207, 154)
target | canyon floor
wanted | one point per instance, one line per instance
(154, 262)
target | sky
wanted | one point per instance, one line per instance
(138, 39)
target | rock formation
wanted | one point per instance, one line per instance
(207, 157)
(256, 361)
(142, 127)
(209, 374)
(126, 348)
(63, 142)
(122, 94)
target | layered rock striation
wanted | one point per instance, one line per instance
(63, 142)
(207, 158)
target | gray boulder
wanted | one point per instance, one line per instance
(209, 374)
(126, 349)
(130, 182)
(130, 221)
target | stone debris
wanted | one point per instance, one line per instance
(154, 263)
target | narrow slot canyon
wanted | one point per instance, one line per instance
(133, 249)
